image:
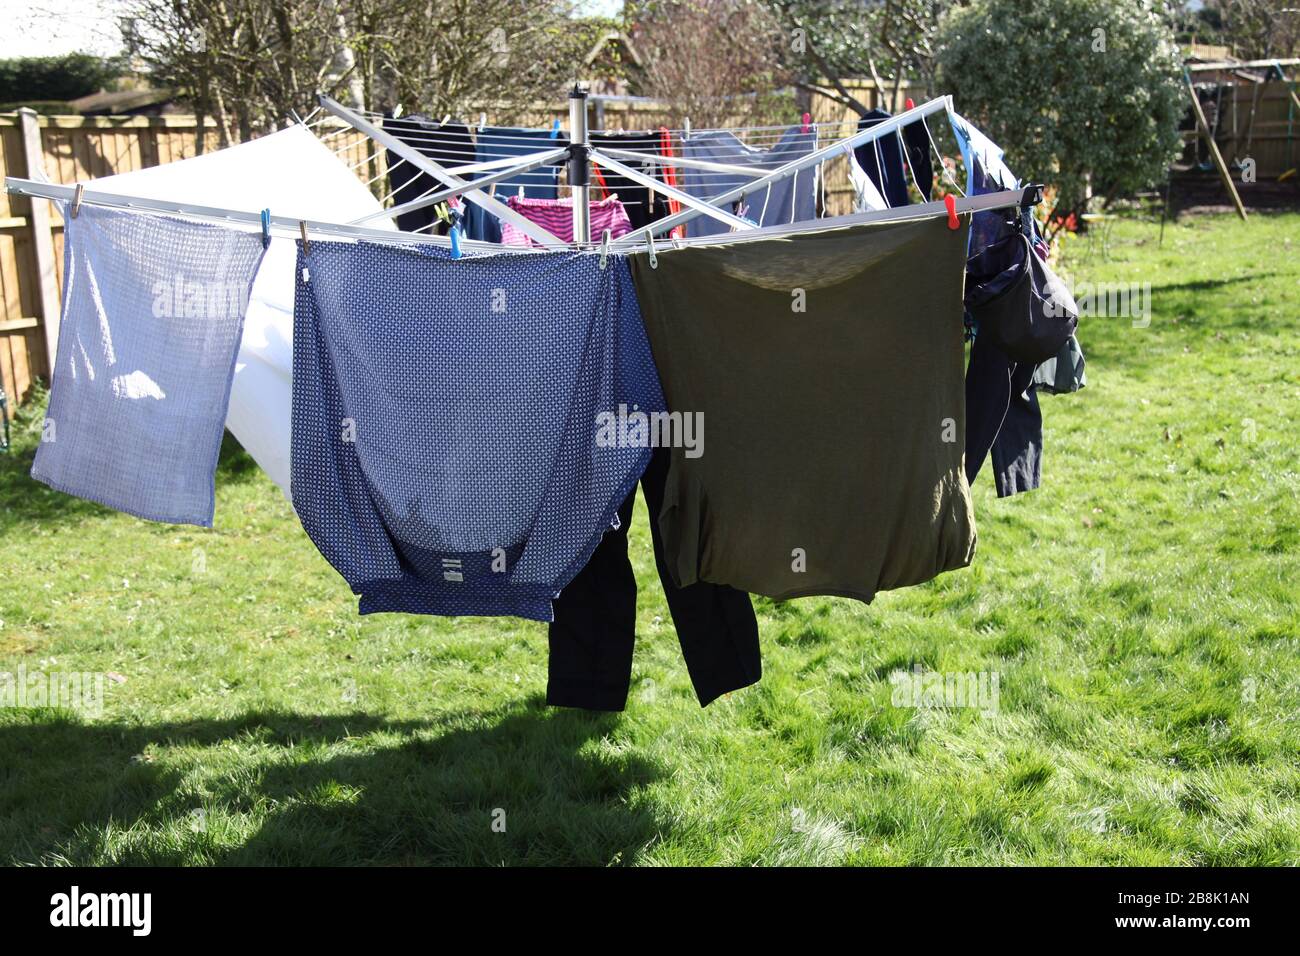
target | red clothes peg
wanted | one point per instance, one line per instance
(950, 201)
(807, 118)
(908, 104)
(600, 181)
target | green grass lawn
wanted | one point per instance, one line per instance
(1140, 610)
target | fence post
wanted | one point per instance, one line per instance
(42, 239)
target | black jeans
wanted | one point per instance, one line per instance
(594, 629)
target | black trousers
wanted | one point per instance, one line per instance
(594, 629)
(1002, 418)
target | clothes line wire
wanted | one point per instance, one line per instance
(362, 162)
(947, 173)
(376, 115)
(286, 226)
(491, 129)
(488, 143)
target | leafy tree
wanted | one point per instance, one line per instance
(889, 41)
(1259, 29)
(1083, 94)
(56, 77)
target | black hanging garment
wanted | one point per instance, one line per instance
(887, 163)
(643, 206)
(1015, 301)
(594, 630)
(1023, 320)
(447, 145)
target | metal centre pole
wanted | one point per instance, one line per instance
(579, 165)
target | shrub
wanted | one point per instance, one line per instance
(1082, 94)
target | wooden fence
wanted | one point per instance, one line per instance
(70, 149)
(1256, 121)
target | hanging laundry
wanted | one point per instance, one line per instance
(556, 216)
(1004, 420)
(1015, 301)
(830, 366)
(1063, 374)
(793, 199)
(669, 175)
(891, 164)
(1017, 450)
(866, 197)
(293, 174)
(641, 204)
(986, 172)
(499, 142)
(446, 452)
(594, 630)
(150, 326)
(447, 144)
(1017, 453)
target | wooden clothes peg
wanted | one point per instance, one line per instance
(306, 248)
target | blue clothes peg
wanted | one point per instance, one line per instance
(456, 216)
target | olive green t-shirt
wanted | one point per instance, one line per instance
(826, 372)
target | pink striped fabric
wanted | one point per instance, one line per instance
(556, 216)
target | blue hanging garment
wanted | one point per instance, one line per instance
(793, 199)
(447, 456)
(986, 172)
(540, 183)
(153, 309)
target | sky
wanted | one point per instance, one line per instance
(52, 27)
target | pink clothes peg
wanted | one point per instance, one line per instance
(807, 118)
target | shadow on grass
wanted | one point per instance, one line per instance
(1206, 285)
(350, 789)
